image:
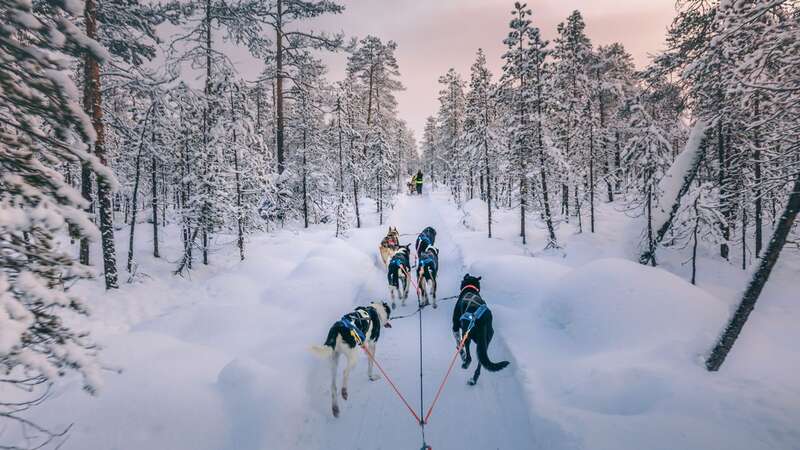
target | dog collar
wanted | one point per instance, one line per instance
(470, 286)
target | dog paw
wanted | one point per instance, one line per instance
(374, 377)
(466, 364)
(335, 410)
(472, 381)
(344, 393)
(434, 306)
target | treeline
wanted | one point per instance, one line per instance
(567, 125)
(236, 156)
(106, 126)
(703, 145)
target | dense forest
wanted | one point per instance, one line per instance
(108, 126)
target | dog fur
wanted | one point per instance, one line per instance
(369, 319)
(397, 274)
(427, 271)
(481, 334)
(389, 245)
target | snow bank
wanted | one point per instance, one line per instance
(618, 305)
(476, 217)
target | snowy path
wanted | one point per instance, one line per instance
(603, 350)
(491, 415)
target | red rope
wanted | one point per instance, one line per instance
(444, 380)
(410, 409)
(408, 275)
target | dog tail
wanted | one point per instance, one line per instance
(483, 357)
(322, 351)
(326, 350)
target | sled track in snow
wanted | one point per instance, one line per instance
(491, 415)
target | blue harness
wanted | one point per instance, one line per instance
(353, 329)
(473, 317)
(424, 237)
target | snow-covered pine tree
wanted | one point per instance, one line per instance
(613, 76)
(307, 99)
(291, 42)
(42, 126)
(452, 101)
(430, 154)
(572, 118)
(479, 123)
(373, 66)
(524, 77)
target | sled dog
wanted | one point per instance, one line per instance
(425, 239)
(397, 274)
(470, 308)
(427, 270)
(366, 322)
(389, 245)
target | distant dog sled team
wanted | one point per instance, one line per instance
(415, 185)
(472, 319)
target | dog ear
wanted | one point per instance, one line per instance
(478, 278)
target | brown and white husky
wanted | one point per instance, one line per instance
(389, 245)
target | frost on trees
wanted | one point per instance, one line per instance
(42, 126)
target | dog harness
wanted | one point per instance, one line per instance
(424, 237)
(472, 317)
(398, 260)
(350, 324)
(425, 261)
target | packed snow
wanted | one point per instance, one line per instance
(605, 353)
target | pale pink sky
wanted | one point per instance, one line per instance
(434, 35)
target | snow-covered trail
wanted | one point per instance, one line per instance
(491, 415)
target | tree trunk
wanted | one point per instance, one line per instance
(239, 212)
(355, 202)
(305, 182)
(687, 170)
(93, 106)
(86, 192)
(591, 169)
(279, 86)
(723, 191)
(154, 167)
(341, 166)
(758, 280)
(744, 237)
(548, 217)
(135, 198)
(758, 219)
(578, 209)
(205, 214)
(651, 243)
(617, 159)
(694, 239)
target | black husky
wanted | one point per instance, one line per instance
(427, 270)
(398, 274)
(470, 309)
(425, 239)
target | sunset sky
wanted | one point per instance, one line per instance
(434, 35)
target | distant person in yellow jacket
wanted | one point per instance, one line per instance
(418, 181)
